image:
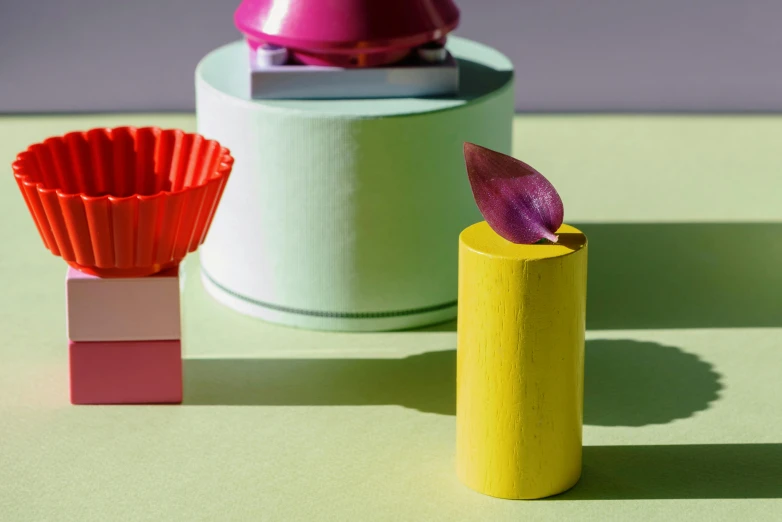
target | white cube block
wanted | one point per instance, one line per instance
(123, 309)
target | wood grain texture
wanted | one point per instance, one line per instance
(520, 363)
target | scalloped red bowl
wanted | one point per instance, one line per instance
(123, 202)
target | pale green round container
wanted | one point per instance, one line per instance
(345, 214)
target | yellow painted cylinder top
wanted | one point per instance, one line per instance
(520, 363)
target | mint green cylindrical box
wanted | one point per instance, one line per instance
(345, 214)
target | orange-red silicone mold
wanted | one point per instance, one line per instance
(123, 202)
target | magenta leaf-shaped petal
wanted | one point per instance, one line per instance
(516, 200)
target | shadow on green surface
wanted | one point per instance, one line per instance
(632, 383)
(425, 382)
(692, 471)
(628, 383)
(477, 79)
(684, 275)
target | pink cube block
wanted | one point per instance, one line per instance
(123, 309)
(131, 372)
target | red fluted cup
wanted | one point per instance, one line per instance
(123, 202)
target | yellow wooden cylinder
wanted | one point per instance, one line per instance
(520, 363)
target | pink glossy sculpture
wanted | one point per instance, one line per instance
(346, 33)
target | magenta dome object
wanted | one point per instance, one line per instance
(346, 33)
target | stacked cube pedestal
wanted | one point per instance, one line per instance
(124, 338)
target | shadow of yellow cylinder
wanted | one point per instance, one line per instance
(520, 363)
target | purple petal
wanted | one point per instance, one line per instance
(516, 200)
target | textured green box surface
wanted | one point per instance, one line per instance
(340, 214)
(682, 408)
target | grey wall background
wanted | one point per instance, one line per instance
(570, 55)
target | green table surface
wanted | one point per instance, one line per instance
(683, 416)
